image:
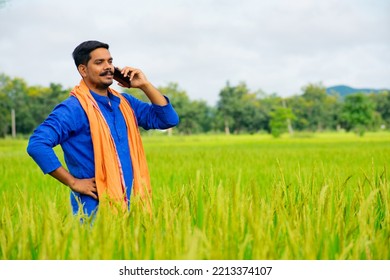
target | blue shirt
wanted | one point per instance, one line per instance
(68, 126)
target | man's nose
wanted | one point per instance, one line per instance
(108, 66)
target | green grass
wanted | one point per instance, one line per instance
(320, 196)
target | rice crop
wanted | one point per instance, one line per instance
(308, 197)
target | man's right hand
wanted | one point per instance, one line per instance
(83, 186)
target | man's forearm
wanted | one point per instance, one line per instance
(62, 175)
(83, 186)
(154, 95)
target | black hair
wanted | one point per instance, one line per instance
(81, 53)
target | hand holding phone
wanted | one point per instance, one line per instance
(124, 80)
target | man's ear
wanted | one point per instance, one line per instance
(82, 70)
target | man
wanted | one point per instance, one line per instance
(97, 129)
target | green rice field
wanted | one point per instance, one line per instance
(237, 197)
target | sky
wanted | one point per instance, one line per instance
(276, 46)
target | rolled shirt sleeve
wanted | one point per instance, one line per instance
(152, 116)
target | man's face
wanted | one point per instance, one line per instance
(99, 71)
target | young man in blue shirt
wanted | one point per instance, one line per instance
(70, 126)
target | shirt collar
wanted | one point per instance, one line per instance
(105, 99)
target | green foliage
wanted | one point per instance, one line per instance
(241, 110)
(195, 116)
(32, 104)
(315, 110)
(279, 120)
(238, 110)
(5, 106)
(230, 107)
(382, 106)
(357, 112)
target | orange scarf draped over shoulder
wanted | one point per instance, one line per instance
(108, 170)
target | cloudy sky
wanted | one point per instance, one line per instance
(275, 46)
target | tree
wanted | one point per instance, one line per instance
(14, 93)
(382, 106)
(315, 110)
(279, 120)
(32, 104)
(5, 105)
(314, 96)
(203, 116)
(357, 113)
(255, 112)
(240, 109)
(195, 116)
(42, 100)
(268, 104)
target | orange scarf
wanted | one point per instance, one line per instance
(108, 171)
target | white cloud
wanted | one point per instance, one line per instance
(277, 46)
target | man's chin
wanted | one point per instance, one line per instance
(107, 84)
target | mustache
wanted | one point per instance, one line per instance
(106, 73)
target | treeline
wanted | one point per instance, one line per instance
(238, 110)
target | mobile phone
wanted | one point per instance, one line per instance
(124, 80)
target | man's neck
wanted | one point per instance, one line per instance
(97, 90)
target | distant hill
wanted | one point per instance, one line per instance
(343, 90)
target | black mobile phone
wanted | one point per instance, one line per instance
(121, 79)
